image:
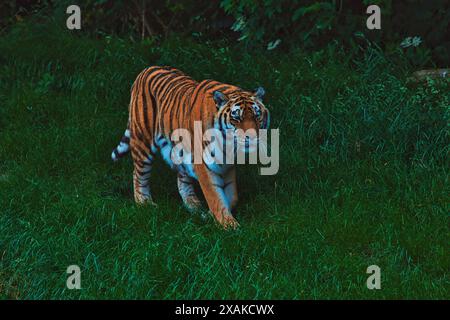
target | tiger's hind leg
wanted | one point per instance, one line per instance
(143, 160)
(187, 192)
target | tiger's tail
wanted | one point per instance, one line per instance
(124, 146)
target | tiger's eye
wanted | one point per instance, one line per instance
(257, 111)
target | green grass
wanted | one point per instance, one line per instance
(363, 177)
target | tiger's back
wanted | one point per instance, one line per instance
(158, 97)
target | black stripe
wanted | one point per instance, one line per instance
(142, 153)
(182, 105)
(161, 137)
(177, 101)
(136, 112)
(163, 84)
(153, 70)
(143, 172)
(200, 89)
(227, 184)
(144, 104)
(158, 80)
(221, 115)
(153, 101)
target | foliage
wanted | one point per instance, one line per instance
(315, 23)
(269, 23)
(138, 17)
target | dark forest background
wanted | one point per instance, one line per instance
(270, 24)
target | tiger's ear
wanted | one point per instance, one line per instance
(220, 99)
(259, 93)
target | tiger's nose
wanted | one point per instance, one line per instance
(250, 128)
(251, 134)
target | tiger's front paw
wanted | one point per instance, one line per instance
(229, 222)
(142, 201)
(147, 203)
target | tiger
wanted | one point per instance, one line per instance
(164, 99)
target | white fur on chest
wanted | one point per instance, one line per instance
(183, 163)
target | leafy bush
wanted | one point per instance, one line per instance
(315, 23)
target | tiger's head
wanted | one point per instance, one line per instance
(244, 115)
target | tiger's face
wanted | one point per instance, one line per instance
(244, 115)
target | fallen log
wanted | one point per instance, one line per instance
(430, 73)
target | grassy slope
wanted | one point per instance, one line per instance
(363, 178)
